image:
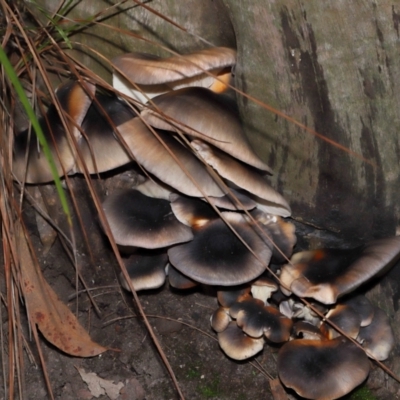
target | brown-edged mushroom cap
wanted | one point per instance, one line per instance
(377, 338)
(140, 221)
(243, 176)
(237, 345)
(205, 115)
(191, 211)
(328, 274)
(220, 319)
(216, 256)
(179, 281)
(146, 69)
(100, 147)
(322, 370)
(263, 287)
(306, 330)
(74, 100)
(362, 306)
(146, 270)
(156, 159)
(280, 232)
(345, 318)
(227, 296)
(257, 319)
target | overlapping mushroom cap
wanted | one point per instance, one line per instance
(208, 116)
(74, 99)
(216, 256)
(140, 221)
(328, 274)
(155, 75)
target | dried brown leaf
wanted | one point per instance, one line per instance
(54, 319)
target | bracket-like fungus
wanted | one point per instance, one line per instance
(140, 221)
(217, 257)
(328, 274)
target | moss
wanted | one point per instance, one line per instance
(210, 390)
(362, 393)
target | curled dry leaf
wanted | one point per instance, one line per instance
(54, 319)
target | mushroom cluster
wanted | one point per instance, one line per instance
(206, 214)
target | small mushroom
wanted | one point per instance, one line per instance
(242, 176)
(140, 221)
(327, 274)
(202, 114)
(257, 319)
(345, 318)
(155, 75)
(227, 296)
(322, 369)
(237, 345)
(362, 306)
(377, 338)
(307, 330)
(263, 287)
(220, 319)
(179, 281)
(146, 270)
(216, 256)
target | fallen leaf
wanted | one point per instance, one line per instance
(99, 386)
(54, 319)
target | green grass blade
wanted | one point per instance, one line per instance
(38, 130)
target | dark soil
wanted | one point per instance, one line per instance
(180, 321)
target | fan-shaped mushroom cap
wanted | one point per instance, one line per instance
(257, 319)
(328, 274)
(377, 338)
(141, 221)
(217, 257)
(146, 270)
(99, 142)
(220, 319)
(230, 201)
(155, 75)
(322, 370)
(153, 156)
(344, 317)
(191, 211)
(74, 101)
(179, 281)
(208, 116)
(154, 189)
(263, 287)
(230, 295)
(362, 306)
(242, 176)
(237, 345)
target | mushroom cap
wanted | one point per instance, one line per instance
(263, 287)
(192, 211)
(141, 221)
(377, 338)
(152, 188)
(147, 69)
(227, 296)
(220, 319)
(217, 257)
(257, 319)
(362, 306)
(322, 370)
(237, 345)
(146, 270)
(205, 115)
(344, 317)
(307, 330)
(229, 201)
(100, 143)
(179, 281)
(155, 158)
(328, 274)
(74, 101)
(242, 175)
